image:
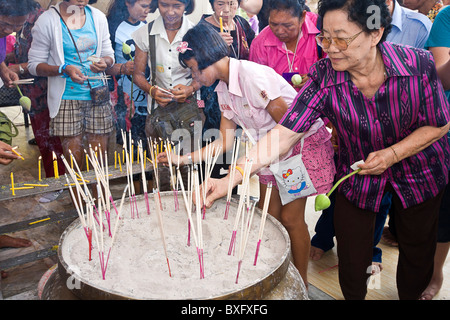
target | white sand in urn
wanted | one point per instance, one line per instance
(137, 265)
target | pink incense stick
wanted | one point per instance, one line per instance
(232, 241)
(227, 208)
(257, 252)
(239, 270)
(146, 203)
(189, 234)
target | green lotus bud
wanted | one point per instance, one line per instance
(25, 102)
(126, 48)
(322, 202)
(296, 79)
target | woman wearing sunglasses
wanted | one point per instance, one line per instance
(390, 110)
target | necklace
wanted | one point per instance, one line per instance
(174, 29)
(237, 36)
(291, 65)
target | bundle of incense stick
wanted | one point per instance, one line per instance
(245, 182)
(98, 78)
(102, 208)
(24, 81)
(245, 230)
(172, 175)
(129, 169)
(84, 194)
(188, 206)
(153, 155)
(263, 219)
(144, 180)
(212, 154)
(232, 172)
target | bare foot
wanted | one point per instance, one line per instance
(434, 286)
(7, 241)
(315, 253)
(388, 238)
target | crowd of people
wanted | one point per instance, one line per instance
(315, 94)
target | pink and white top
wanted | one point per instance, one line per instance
(268, 50)
(251, 87)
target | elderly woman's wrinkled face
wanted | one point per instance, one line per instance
(359, 44)
(226, 9)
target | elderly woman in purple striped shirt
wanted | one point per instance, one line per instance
(390, 110)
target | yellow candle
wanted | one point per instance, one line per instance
(221, 22)
(132, 154)
(55, 166)
(12, 184)
(138, 155)
(87, 163)
(115, 159)
(145, 158)
(39, 167)
(120, 164)
(17, 154)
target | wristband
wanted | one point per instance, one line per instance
(150, 92)
(240, 170)
(62, 69)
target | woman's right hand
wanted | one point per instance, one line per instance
(164, 159)
(161, 97)
(75, 74)
(227, 38)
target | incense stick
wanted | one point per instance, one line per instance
(232, 173)
(263, 219)
(245, 181)
(161, 229)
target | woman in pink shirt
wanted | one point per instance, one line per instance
(256, 97)
(288, 44)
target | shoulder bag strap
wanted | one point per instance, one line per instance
(73, 40)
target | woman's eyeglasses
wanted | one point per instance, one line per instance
(340, 43)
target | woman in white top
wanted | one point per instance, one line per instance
(168, 29)
(54, 55)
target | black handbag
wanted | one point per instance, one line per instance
(99, 95)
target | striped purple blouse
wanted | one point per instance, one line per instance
(411, 97)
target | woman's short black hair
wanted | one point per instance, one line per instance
(17, 8)
(211, 2)
(296, 7)
(370, 15)
(190, 5)
(205, 44)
